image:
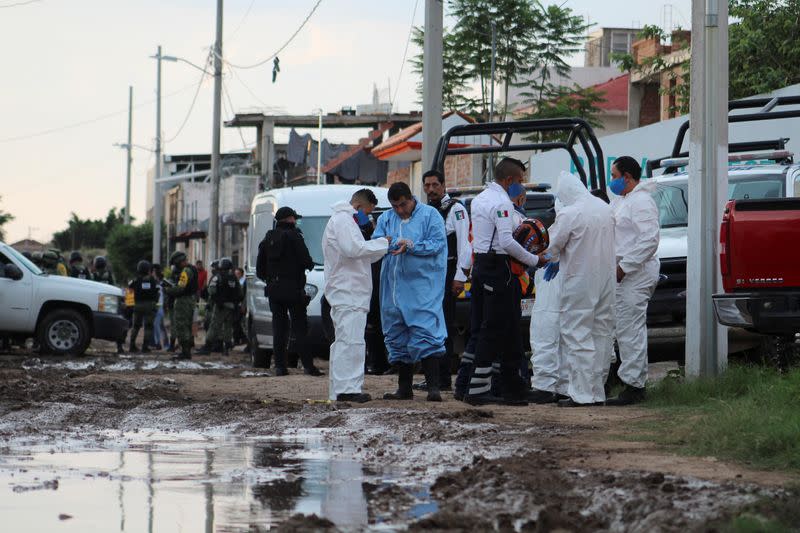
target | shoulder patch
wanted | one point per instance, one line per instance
(460, 215)
(502, 213)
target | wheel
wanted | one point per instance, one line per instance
(64, 332)
(260, 357)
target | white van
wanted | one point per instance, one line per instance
(313, 203)
(63, 314)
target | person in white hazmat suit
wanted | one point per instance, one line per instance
(636, 237)
(582, 240)
(348, 288)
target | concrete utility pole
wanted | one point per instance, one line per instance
(706, 340)
(212, 250)
(432, 82)
(156, 184)
(319, 150)
(129, 147)
(490, 170)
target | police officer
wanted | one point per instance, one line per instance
(496, 290)
(145, 294)
(225, 292)
(76, 268)
(204, 295)
(185, 294)
(283, 260)
(459, 262)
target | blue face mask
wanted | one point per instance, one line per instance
(617, 185)
(361, 218)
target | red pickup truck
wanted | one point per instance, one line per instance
(760, 264)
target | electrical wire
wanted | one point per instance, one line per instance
(227, 94)
(281, 49)
(17, 4)
(265, 106)
(405, 55)
(87, 122)
(194, 100)
(229, 38)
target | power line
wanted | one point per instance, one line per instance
(87, 122)
(241, 22)
(405, 54)
(23, 3)
(227, 94)
(282, 48)
(194, 99)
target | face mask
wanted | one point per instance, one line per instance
(617, 185)
(361, 218)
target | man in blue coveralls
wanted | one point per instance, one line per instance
(412, 289)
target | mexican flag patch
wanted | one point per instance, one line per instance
(459, 215)
(502, 214)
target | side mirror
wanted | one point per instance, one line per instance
(13, 272)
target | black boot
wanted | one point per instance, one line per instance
(405, 375)
(204, 350)
(280, 365)
(463, 375)
(308, 366)
(513, 386)
(629, 396)
(173, 344)
(430, 365)
(480, 387)
(542, 396)
(133, 348)
(186, 353)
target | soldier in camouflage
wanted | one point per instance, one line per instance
(145, 291)
(76, 268)
(185, 292)
(102, 274)
(225, 292)
(52, 265)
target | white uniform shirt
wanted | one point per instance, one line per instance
(457, 222)
(348, 259)
(492, 213)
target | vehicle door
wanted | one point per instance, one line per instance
(15, 297)
(793, 182)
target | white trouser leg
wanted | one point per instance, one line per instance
(347, 351)
(633, 295)
(580, 298)
(546, 360)
(602, 333)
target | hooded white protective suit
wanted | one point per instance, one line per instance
(550, 371)
(348, 288)
(582, 237)
(636, 237)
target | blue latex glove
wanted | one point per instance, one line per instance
(550, 271)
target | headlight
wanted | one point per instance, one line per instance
(311, 290)
(108, 303)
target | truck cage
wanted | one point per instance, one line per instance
(577, 129)
(772, 150)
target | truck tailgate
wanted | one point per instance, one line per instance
(762, 248)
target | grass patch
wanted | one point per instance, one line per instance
(774, 515)
(750, 415)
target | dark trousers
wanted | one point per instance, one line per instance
(289, 316)
(449, 311)
(497, 292)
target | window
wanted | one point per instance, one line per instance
(313, 228)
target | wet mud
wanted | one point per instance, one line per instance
(415, 465)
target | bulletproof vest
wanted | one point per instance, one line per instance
(191, 287)
(79, 272)
(452, 240)
(145, 289)
(103, 276)
(227, 288)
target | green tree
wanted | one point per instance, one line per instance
(127, 245)
(455, 78)
(763, 50)
(87, 233)
(5, 218)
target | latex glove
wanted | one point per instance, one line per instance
(550, 271)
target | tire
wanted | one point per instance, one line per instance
(259, 357)
(64, 332)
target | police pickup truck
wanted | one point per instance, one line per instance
(63, 314)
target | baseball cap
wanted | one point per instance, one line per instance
(286, 212)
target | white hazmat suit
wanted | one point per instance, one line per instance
(550, 372)
(348, 288)
(582, 238)
(636, 237)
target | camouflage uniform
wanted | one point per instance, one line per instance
(51, 264)
(102, 274)
(145, 289)
(185, 292)
(225, 293)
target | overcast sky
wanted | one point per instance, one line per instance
(71, 61)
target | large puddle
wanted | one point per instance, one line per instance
(186, 482)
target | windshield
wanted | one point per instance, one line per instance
(313, 229)
(22, 259)
(672, 197)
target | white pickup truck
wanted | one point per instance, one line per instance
(63, 314)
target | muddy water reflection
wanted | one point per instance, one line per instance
(183, 482)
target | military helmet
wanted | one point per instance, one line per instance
(177, 257)
(36, 257)
(27, 255)
(50, 258)
(143, 267)
(225, 263)
(215, 264)
(100, 262)
(75, 256)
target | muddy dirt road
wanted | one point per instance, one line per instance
(144, 443)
